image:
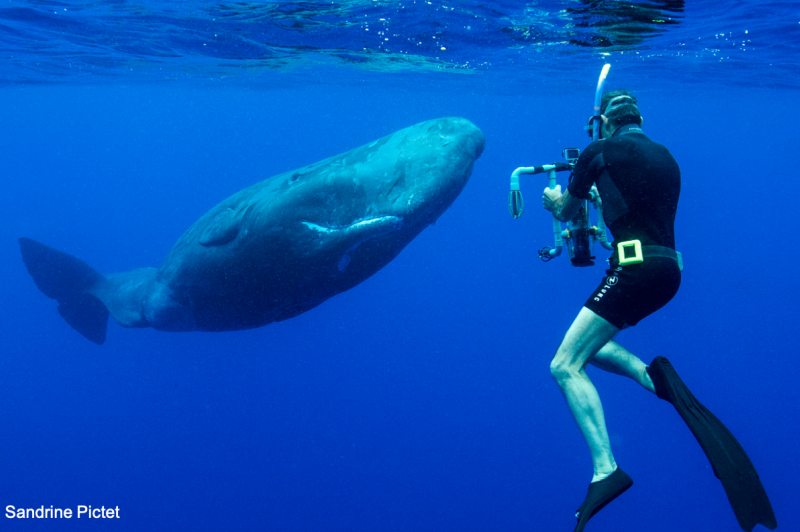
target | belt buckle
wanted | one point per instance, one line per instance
(624, 250)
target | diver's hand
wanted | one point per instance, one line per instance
(550, 197)
(595, 195)
(563, 206)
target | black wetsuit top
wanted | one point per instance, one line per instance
(639, 182)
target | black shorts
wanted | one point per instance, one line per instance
(630, 293)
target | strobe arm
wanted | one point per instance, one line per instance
(516, 203)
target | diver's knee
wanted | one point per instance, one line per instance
(561, 370)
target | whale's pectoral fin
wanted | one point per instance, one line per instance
(68, 280)
(222, 229)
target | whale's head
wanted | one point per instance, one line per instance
(378, 197)
(422, 169)
(405, 180)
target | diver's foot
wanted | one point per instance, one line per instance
(597, 477)
(600, 494)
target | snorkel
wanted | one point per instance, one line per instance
(598, 98)
(580, 234)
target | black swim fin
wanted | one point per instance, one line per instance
(67, 279)
(600, 494)
(730, 462)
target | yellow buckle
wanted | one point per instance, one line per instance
(624, 250)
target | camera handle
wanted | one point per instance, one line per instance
(516, 205)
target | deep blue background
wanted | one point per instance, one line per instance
(421, 399)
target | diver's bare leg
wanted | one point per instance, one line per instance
(585, 337)
(614, 358)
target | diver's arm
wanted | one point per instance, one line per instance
(563, 206)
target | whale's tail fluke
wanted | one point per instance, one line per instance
(68, 280)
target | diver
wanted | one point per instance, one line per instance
(639, 182)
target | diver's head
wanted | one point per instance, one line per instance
(617, 108)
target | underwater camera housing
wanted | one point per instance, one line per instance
(579, 231)
(579, 238)
(579, 235)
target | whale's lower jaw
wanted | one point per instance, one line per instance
(349, 237)
(368, 224)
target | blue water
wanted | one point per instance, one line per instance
(421, 399)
